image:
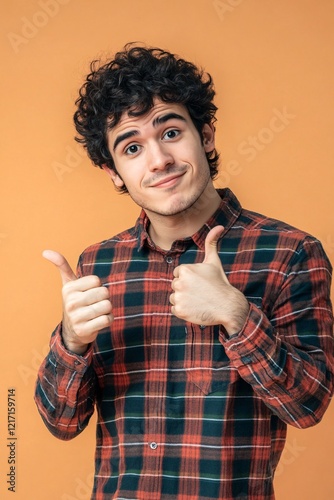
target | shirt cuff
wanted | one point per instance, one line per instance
(75, 362)
(256, 341)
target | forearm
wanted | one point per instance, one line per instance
(65, 390)
(294, 379)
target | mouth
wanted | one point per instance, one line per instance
(169, 181)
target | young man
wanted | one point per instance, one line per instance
(199, 333)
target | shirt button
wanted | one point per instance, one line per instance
(169, 260)
(153, 446)
(202, 327)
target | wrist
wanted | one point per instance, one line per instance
(78, 349)
(71, 346)
(237, 319)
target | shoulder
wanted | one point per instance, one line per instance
(248, 224)
(288, 243)
(254, 222)
(122, 243)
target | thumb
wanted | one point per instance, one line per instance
(211, 240)
(64, 268)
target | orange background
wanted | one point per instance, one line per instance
(266, 57)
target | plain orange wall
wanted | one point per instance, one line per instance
(266, 57)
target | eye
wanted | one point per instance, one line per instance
(132, 149)
(171, 134)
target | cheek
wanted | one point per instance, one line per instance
(133, 181)
(197, 159)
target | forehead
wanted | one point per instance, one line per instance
(159, 108)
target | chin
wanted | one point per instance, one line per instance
(175, 208)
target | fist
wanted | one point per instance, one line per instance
(202, 293)
(86, 305)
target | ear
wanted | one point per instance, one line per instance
(208, 134)
(114, 176)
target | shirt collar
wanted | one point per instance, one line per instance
(226, 214)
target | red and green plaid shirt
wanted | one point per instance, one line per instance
(184, 412)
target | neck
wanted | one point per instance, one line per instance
(165, 229)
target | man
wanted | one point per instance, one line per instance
(199, 333)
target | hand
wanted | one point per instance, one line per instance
(86, 305)
(202, 293)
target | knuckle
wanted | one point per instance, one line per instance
(107, 319)
(80, 330)
(184, 271)
(107, 307)
(93, 310)
(104, 292)
(178, 311)
(70, 304)
(175, 284)
(103, 295)
(67, 289)
(94, 280)
(100, 308)
(179, 270)
(74, 319)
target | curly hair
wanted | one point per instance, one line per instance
(131, 81)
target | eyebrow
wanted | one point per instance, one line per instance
(165, 118)
(123, 137)
(160, 120)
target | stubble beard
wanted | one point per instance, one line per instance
(182, 207)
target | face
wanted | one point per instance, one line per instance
(160, 158)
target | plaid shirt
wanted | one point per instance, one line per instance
(184, 411)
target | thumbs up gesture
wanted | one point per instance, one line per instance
(86, 305)
(202, 293)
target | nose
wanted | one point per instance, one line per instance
(159, 156)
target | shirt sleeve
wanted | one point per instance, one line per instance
(65, 389)
(288, 357)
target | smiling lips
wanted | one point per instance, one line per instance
(168, 181)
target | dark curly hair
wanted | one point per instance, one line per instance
(133, 79)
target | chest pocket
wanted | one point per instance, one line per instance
(206, 363)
